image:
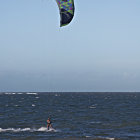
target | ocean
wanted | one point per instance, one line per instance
(75, 116)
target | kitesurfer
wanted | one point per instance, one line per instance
(49, 123)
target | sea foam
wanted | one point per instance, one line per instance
(41, 129)
(32, 93)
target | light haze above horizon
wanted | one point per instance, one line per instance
(99, 51)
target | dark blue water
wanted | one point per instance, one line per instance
(74, 115)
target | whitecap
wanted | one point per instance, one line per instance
(9, 93)
(20, 101)
(93, 106)
(26, 129)
(32, 93)
(87, 136)
(19, 93)
(57, 95)
(107, 138)
(111, 138)
(94, 122)
(33, 105)
(16, 130)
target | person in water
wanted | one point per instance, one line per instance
(49, 123)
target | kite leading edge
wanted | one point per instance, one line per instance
(66, 8)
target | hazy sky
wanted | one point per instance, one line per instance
(98, 51)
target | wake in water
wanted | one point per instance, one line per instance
(42, 129)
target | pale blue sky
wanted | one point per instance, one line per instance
(98, 51)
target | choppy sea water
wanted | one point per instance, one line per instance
(76, 116)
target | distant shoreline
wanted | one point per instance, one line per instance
(89, 139)
(67, 92)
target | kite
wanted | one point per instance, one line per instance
(66, 8)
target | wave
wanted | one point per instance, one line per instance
(106, 138)
(92, 106)
(42, 129)
(36, 97)
(8, 93)
(33, 93)
(12, 93)
(95, 122)
(19, 93)
(102, 138)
